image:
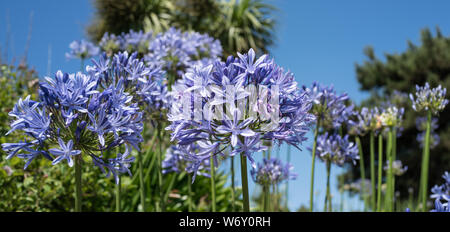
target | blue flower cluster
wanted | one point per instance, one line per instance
(231, 116)
(173, 50)
(330, 107)
(131, 42)
(366, 120)
(428, 99)
(392, 116)
(82, 50)
(176, 51)
(178, 159)
(143, 82)
(80, 114)
(442, 193)
(421, 125)
(336, 149)
(272, 171)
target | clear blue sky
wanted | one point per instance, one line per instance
(316, 40)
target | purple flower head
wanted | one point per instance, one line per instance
(364, 121)
(131, 75)
(177, 51)
(336, 149)
(79, 114)
(421, 124)
(427, 99)
(272, 171)
(82, 50)
(31, 118)
(434, 139)
(131, 42)
(328, 106)
(392, 117)
(237, 105)
(177, 159)
(442, 194)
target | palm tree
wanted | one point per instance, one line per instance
(247, 24)
(117, 16)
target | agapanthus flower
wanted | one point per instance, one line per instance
(421, 124)
(82, 50)
(143, 82)
(329, 106)
(110, 44)
(392, 117)
(434, 139)
(224, 105)
(442, 194)
(397, 167)
(428, 99)
(76, 115)
(442, 191)
(336, 149)
(364, 121)
(176, 51)
(177, 159)
(133, 41)
(441, 207)
(272, 171)
(64, 152)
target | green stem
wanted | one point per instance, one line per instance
(287, 182)
(118, 195)
(327, 195)
(426, 160)
(118, 186)
(233, 203)
(266, 191)
(141, 181)
(380, 170)
(311, 193)
(388, 197)
(160, 206)
(78, 160)
(189, 181)
(244, 183)
(362, 170)
(82, 65)
(213, 185)
(372, 169)
(394, 157)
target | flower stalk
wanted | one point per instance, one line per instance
(425, 164)
(77, 162)
(372, 168)
(213, 185)
(244, 183)
(362, 170)
(380, 170)
(311, 193)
